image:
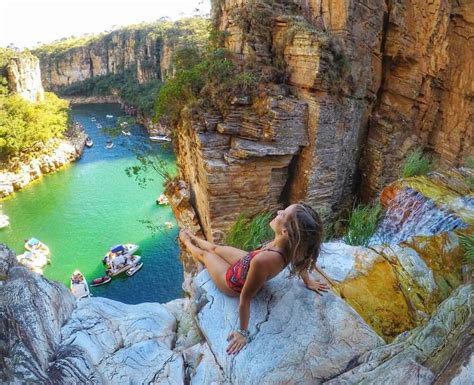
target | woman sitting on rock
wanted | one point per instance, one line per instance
(298, 234)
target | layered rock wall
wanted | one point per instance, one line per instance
(378, 80)
(111, 54)
(425, 97)
(24, 77)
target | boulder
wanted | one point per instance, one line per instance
(122, 343)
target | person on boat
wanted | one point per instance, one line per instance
(298, 235)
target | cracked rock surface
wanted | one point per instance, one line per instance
(296, 335)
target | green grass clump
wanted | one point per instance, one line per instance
(467, 243)
(248, 233)
(416, 163)
(362, 224)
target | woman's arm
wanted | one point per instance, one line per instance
(256, 277)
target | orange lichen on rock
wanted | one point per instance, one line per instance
(378, 298)
(443, 255)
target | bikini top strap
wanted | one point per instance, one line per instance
(275, 250)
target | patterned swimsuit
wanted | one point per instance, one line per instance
(237, 273)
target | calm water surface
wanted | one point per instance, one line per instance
(92, 204)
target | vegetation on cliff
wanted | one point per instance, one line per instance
(26, 126)
(416, 163)
(362, 224)
(247, 233)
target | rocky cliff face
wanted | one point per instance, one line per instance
(111, 54)
(372, 82)
(24, 77)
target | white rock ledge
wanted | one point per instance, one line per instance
(297, 337)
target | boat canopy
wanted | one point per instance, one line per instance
(32, 242)
(117, 249)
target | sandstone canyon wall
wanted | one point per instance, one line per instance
(24, 77)
(364, 84)
(111, 54)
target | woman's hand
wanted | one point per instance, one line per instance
(316, 286)
(236, 342)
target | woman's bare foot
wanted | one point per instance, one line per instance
(184, 236)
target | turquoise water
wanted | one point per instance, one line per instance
(91, 205)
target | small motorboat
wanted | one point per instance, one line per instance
(126, 132)
(109, 145)
(109, 116)
(36, 246)
(134, 269)
(89, 142)
(101, 280)
(99, 125)
(169, 225)
(160, 138)
(162, 200)
(93, 119)
(4, 221)
(79, 287)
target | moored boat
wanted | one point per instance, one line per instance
(126, 132)
(160, 138)
(79, 287)
(120, 258)
(89, 142)
(121, 263)
(134, 269)
(162, 200)
(101, 280)
(33, 261)
(4, 221)
(109, 145)
(109, 116)
(36, 246)
(93, 119)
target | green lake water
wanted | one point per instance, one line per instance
(91, 205)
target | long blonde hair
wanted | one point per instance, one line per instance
(305, 235)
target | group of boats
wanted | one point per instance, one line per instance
(119, 259)
(36, 255)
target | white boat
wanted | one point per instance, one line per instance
(160, 138)
(109, 116)
(126, 132)
(120, 258)
(36, 246)
(93, 119)
(89, 142)
(162, 200)
(4, 221)
(121, 263)
(99, 125)
(109, 145)
(169, 225)
(134, 268)
(79, 286)
(33, 261)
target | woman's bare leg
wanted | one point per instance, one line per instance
(215, 265)
(229, 253)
